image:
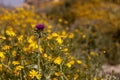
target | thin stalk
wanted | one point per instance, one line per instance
(7, 66)
(63, 73)
(24, 74)
(39, 68)
(21, 76)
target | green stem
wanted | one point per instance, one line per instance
(39, 68)
(20, 76)
(63, 74)
(7, 67)
(24, 74)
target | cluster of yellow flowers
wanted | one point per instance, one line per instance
(33, 74)
(20, 44)
(22, 55)
(2, 56)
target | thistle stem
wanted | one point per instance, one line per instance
(39, 68)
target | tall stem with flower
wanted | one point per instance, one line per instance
(39, 32)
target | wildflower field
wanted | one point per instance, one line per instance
(39, 46)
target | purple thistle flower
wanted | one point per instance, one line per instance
(40, 26)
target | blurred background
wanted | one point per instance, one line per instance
(99, 20)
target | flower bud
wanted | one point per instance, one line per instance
(40, 26)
